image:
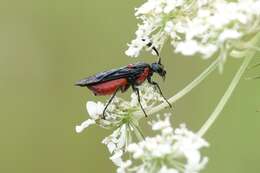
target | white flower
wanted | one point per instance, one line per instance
(95, 109)
(169, 27)
(123, 166)
(117, 112)
(118, 116)
(208, 50)
(84, 125)
(172, 152)
(119, 108)
(203, 27)
(161, 124)
(229, 34)
(147, 7)
(189, 47)
(117, 157)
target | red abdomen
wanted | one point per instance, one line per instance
(109, 87)
(143, 76)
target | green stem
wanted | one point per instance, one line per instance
(248, 56)
(226, 96)
(184, 91)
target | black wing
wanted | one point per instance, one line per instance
(113, 74)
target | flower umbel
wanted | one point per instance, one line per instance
(173, 150)
(120, 111)
(202, 27)
(119, 117)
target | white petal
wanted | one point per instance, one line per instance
(122, 138)
(193, 156)
(84, 125)
(208, 50)
(159, 125)
(138, 153)
(116, 158)
(189, 47)
(146, 8)
(94, 109)
(111, 147)
(229, 34)
(167, 131)
(132, 52)
(132, 147)
(169, 26)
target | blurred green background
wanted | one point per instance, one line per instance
(46, 45)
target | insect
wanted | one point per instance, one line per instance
(132, 75)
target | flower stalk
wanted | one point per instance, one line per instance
(226, 96)
(249, 55)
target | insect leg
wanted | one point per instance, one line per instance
(139, 99)
(108, 103)
(160, 91)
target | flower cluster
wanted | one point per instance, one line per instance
(120, 110)
(197, 26)
(120, 118)
(172, 151)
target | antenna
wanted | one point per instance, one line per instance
(150, 44)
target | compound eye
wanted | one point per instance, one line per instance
(155, 67)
